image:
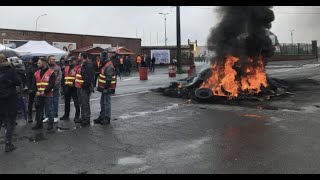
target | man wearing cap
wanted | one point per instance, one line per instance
(44, 82)
(70, 89)
(30, 78)
(106, 85)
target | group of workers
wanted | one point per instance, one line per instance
(146, 61)
(44, 79)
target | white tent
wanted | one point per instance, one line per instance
(2, 47)
(40, 48)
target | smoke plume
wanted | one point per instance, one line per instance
(242, 32)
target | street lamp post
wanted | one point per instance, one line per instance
(178, 40)
(165, 27)
(291, 36)
(38, 19)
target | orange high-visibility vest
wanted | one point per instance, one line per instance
(139, 59)
(42, 83)
(102, 77)
(69, 78)
(98, 63)
(79, 81)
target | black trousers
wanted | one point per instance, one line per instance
(9, 119)
(71, 92)
(84, 99)
(30, 103)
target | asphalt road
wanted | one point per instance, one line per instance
(151, 133)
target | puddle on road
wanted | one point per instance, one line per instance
(144, 113)
(130, 161)
(36, 138)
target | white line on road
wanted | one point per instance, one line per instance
(120, 95)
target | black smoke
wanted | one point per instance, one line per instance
(242, 32)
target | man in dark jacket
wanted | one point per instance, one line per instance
(153, 63)
(106, 85)
(127, 64)
(148, 62)
(30, 79)
(84, 80)
(44, 83)
(97, 65)
(9, 79)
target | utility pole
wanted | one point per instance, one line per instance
(144, 41)
(291, 36)
(38, 19)
(136, 32)
(150, 38)
(165, 27)
(157, 40)
(178, 40)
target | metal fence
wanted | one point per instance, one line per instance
(294, 49)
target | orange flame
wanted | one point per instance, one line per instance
(225, 80)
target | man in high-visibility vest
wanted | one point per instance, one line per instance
(106, 85)
(44, 83)
(138, 60)
(70, 89)
(84, 80)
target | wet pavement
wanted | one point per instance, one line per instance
(151, 133)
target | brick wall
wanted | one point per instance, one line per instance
(81, 40)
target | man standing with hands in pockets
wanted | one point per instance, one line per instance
(43, 85)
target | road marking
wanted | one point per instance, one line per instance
(120, 95)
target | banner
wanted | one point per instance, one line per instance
(66, 46)
(103, 46)
(162, 56)
(14, 43)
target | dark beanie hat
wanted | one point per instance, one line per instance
(104, 55)
(35, 59)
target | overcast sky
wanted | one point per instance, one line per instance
(132, 21)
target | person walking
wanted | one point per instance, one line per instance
(57, 70)
(83, 82)
(71, 90)
(30, 79)
(107, 85)
(43, 85)
(148, 62)
(127, 64)
(153, 63)
(9, 80)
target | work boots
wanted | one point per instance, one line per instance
(9, 147)
(85, 123)
(98, 120)
(37, 126)
(50, 126)
(30, 119)
(64, 117)
(77, 120)
(105, 121)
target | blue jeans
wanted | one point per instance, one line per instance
(105, 104)
(55, 104)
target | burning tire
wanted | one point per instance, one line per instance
(203, 93)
